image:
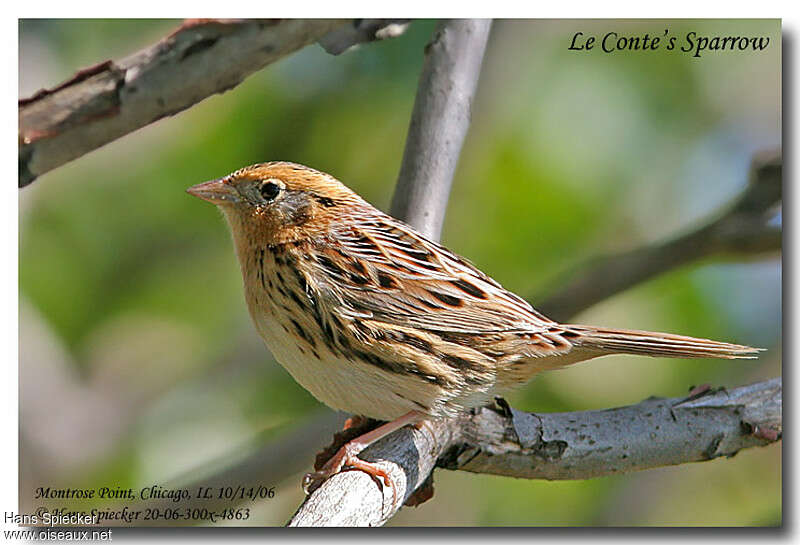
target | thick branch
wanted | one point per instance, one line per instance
(556, 446)
(653, 433)
(201, 58)
(439, 122)
(741, 228)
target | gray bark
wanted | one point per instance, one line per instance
(202, 57)
(439, 122)
(555, 446)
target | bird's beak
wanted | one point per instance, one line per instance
(216, 192)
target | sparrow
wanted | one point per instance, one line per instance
(374, 318)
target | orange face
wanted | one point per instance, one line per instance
(278, 201)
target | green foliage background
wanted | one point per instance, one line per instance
(138, 362)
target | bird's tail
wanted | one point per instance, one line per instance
(648, 343)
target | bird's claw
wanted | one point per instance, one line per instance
(313, 480)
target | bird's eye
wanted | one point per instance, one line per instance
(269, 190)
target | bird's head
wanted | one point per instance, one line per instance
(278, 202)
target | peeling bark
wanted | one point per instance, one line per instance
(200, 58)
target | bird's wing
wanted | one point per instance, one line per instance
(410, 302)
(381, 269)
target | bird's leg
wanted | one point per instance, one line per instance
(348, 454)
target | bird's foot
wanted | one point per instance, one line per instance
(347, 457)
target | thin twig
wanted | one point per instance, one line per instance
(741, 228)
(439, 122)
(202, 57)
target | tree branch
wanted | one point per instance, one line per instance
(554, 446)
(653, 433)
(439, 122)
(740, 229)
(202, 57)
